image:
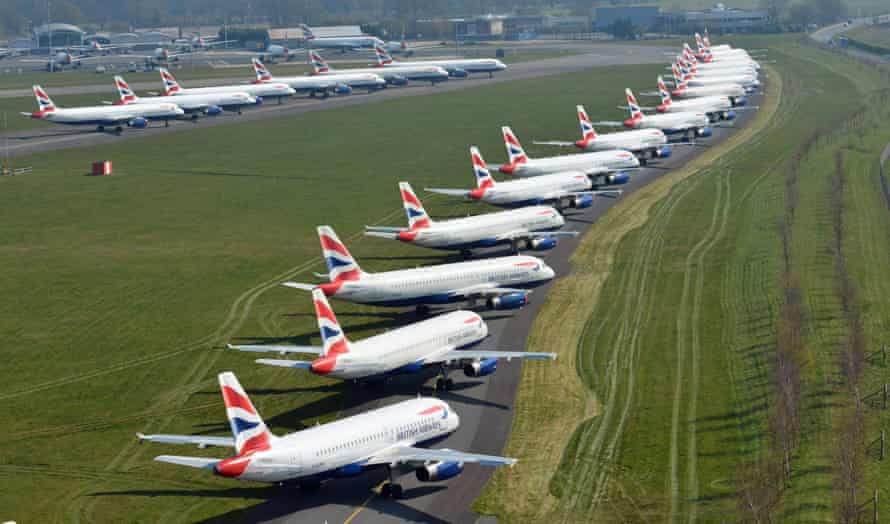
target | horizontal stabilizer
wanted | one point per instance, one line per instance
(554, 143)
(298, 285)
(272, 348)
(386, 229)
(201, 441)
(610, 123)
(192, 462)
(391, 235)
(293, 364)
(452, 192)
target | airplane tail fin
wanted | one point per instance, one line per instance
(588, 133)
(319, 65)
(515, 153)
(383, 56)
(333, 339)
(44, 102)
(636, 114)
(664, 93)
(699, 43)
(262, 74)
(127, 96)
(307, 32)
(249, 430)
(417, 216)
(484, 179)
(341, 265)
(171, 86)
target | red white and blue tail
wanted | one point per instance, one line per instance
(44, 102)
(127, 96)
(262, 74)
(484, 179)
(515, 153)
(664, 93)
(319, 65)
(706, 39)
(588, 133)
(636, 114)
(307, 32)
(334, 341)
(383, 56)
(249, 430)
(341, 265)
(700, 43)
(417, 216)
(171, 86)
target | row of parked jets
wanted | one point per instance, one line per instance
(390, 437)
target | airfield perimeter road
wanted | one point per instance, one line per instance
(59, 137)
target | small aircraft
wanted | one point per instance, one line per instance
(384, 438)
(456, 67)
(393, 75)
(322, 85)
(533, 227)
(438, 342)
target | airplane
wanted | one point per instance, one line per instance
(716, 106)
(500, 283)
(689, 123)
(343, 43)
(456, 67)
(102, 116)
(562, 190)
(205, 42)
(439, 342)
(729, 62)
(384, 438)
(393, 75)
(688, 60)
(321, 85)
(275, 52)
(736, 93)
(533, 227)
(210, 104)
(724, 49)
(60, 59)
(645, 143)
(259, 91)
(748, 82)
(594, 164)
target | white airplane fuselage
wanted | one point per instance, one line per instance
(710, 80)
(457, 65)
(636, 140)
(199, 102)
(671, 123)
(734, 91)
(391, 74)
(263, 90)
(534, 190)
(613, 160)
(317, 83)
(705, 104)
(108, 115)
(344, 42)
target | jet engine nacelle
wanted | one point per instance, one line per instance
(139, 122)
(398, 81)
(343, 89)
(618, 178)
(508, 301)
(705, 132)
(581, 202)
(259, 101)
(740, 101)
(729, 115)
(481, 368)
(664, 152)
(542, 244)
(458, 73)
(439, 471)
(213, 110)
(349, 470)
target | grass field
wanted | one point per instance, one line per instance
(678, 352)
(126, 287)
(873, 35)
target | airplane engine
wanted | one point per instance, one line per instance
(398, 81)
(458, 73)
(729, 115)
(439, 471)
(139, 122)
(581, 202)
(664, 152)
(349, 470)
(259, 101)
(213, 110)
(740, 101)
(508, 301)
(705, 132)
(343, 89)
(617, 178)
(481, 368)
(543, 244)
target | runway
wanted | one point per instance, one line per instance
(56, 137)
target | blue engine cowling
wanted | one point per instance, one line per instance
(729, 115)
(398, 81)
(343, 89)
(581, 202)
(705, 132)
(439, 471)
(458, 73)
(214, 110)
(349, 470)
(618, 178)
(740, 101)
(508, 301)
(139, 122)
(259, 101)
(481, 368)
(542, 244)
(664, 152)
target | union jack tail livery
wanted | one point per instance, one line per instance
(706, 39)
(588, 134)
(171, 86)
(262, 74)
(341, 265)
(44, 102)
(318, 63)
(664, 93)
(383, 56)
(483, 176)
(123, 89)
(417, 216)
(636, 114)
(334, 341)
(700, 43)
(307, 33)
(515, 152)
(250, 432)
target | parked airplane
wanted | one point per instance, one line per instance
(208, 103)
(393, 75)
(735, 92)
(595, 165)
(645, 143)
(383, 438)
(534, 228)
(688, 60)
(260, 91)
(343, 43)
(689, 123)
(58, 60)
(456, 67)
(437, 342)
(276, 52)
(563, 190)
(321, 85)
(102, 116)
(729, 62)
(716, 107)
(498, 282)
(749, 82)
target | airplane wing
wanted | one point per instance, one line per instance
(516, 235)
(609, 123)
(408, 454)
(386, 229)
(198, 440)
(487, 290)
(292, 364)
(553, 143)
(192, 462)
(474, 354)
(452, 192)
(271, 348)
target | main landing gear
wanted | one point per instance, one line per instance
(443, 383)
(390, 489)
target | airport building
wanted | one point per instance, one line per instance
(716, 20)
(62, 35)
(642, 16)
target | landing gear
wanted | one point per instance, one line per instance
(466, 254)
(118, 130)
(239, 111)
(100, 129)
(443, 382)
(166, 122)
(279, 100)
(390, 489)
(423, 310)
(490, 74)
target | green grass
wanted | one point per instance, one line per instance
(120, 290)
(873, 35)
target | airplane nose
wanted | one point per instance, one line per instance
(548, 271)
